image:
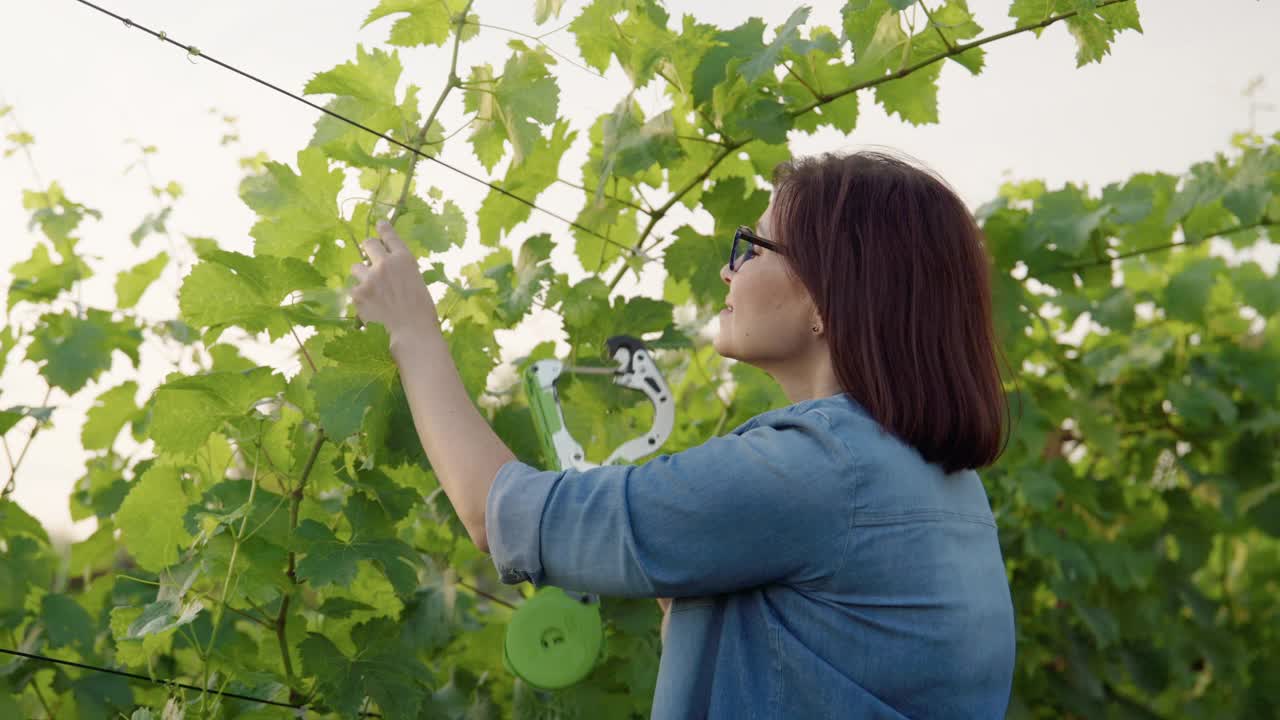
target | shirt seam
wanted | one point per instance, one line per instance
(853, 490)
(873, 518)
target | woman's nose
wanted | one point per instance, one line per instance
(725, 273)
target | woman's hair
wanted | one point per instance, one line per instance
(900, 275)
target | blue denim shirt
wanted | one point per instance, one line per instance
(820, 568)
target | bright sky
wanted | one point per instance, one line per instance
(83, 85)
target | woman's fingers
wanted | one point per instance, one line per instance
(374, 248)
(391, 238)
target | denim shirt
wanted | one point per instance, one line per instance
(820, 568)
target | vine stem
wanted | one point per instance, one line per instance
(453, 82)
(823, 99)
(955, 50)
(294, 505)
(11, 484)
(226, 580)
(13, 640)
(296, 495)
(1263, 223)
(945, 42)
(790, 71)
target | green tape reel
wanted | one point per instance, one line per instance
(553, 640)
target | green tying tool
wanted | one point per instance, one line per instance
(556, 637)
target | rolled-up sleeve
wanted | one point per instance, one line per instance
(758, 505)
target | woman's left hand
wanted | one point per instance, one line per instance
(390, 290)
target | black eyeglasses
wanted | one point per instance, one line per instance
(744, 242)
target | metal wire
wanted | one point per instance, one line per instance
(192, 51)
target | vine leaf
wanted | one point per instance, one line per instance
(150, 517)
(331, 560)
(75, 350)
(186, 410)
(131, 283)
(513, 107)
(428, 22)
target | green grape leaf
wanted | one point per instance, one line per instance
(65, 622)
(731, 205)
(523, 280)
(98, 696)
(475, 354)
(1065, 218)
(25, 564)
(331, 560)
(875, 33)
(767, 120)
(380, 669)
(102, 488)
(355, 146)
(1095, 31)
(630, 144)
(372, 77)
(428, 21)
(1250, 188)
(72, 350)
(694, 261)
(1187, 295)
(39, 279)
(95, 553)
(817, 66)
(361, 378)
(913, 98)
(57, 215)
(1030, 12)
(229, 288)
(767, 59)
(512, 107)
(149, 519)
(152, 223)
(614, 234)
(189, 408)
(296, 212)
(426, 231)
(131, 283)
(223, 507)
(8, 339)
(1261, 291)
(395, 500)
(639, 315)
(741, 44)
(109, 413)
(499, 212)
(13, 415)
(14, 521)
(546, 9)
(593, 31)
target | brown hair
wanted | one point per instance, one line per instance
(900, 275)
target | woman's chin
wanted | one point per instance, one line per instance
(719, 344)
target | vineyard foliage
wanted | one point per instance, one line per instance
(284, 538)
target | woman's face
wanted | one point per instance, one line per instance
(768, 318)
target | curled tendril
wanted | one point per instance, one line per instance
(192, 52)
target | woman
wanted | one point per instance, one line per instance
(833, 558)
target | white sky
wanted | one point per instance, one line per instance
(83, 84)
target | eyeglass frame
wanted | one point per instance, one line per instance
(745, 233)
